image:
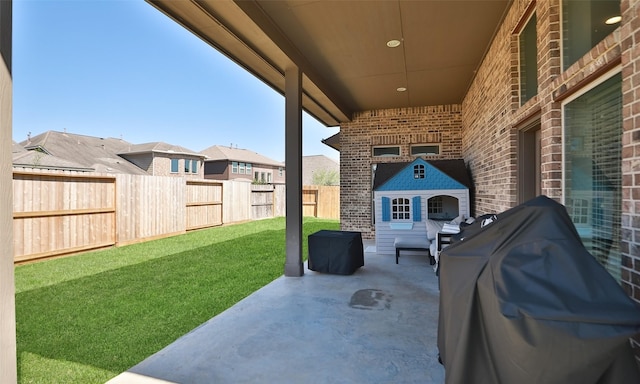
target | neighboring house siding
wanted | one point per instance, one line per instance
(162, 166)
(393, 127)
(216, 170)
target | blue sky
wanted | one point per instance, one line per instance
(121, 68)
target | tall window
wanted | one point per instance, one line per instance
(593, 174)
(528, 61)
(186, 165)
(174, 166)
(241, 168)
(584, 25)
(194, 166)
(400, 209)
(234, 167)
(248, 169)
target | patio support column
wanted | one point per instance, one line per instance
(8, 360)
(293, 176)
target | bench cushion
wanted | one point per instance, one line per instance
(411, 242)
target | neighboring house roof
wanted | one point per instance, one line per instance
(35, 159)
(220, 152)
(158, 147)
(100, 154)
(402, 174)
(315, 163)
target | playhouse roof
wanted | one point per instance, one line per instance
(455, 169)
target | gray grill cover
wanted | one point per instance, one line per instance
(522, 301)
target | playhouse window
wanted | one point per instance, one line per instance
(400, 209)
(418, 171)
(435, 205)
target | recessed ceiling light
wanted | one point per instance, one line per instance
(401, 89)
(393, 43)
(613, 20)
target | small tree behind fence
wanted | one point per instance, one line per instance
(61, 212)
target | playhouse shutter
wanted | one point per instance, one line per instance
(417, 213)
(386, 209)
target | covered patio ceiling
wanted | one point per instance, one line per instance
(341, 47)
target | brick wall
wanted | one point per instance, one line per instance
(630, 58)
(403, 127)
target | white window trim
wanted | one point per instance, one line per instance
(410, 219)
(606, 76)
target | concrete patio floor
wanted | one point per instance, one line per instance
(378, 325)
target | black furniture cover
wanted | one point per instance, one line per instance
(337, 252)
(522, 301)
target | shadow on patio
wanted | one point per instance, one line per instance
(378, 325)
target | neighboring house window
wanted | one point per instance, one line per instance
(418, 171)
(194, 166)
(234, 167)
(186, 165)
(386, 151)
(584, 26)
(528, 61)
(241, 168)
(592, 177)
(425, 150)
(256, 176)
(248, 169)
(280, 171)
(174, 166)
(434, 205)
(262, 177)
(400, 209)
(269, 177)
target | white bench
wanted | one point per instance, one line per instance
(411, 244)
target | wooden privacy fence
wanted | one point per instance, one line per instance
(62, 213)
(321, 201)
(58, 212)
(204, 204)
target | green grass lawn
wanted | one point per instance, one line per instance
(87, 318)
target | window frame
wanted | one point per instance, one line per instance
(531, 18)
(606, 76)
(404, 208)
(175, 166)
(377, 147)
(564, 65)
(437, 146)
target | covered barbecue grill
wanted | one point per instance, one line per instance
(522, 301)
